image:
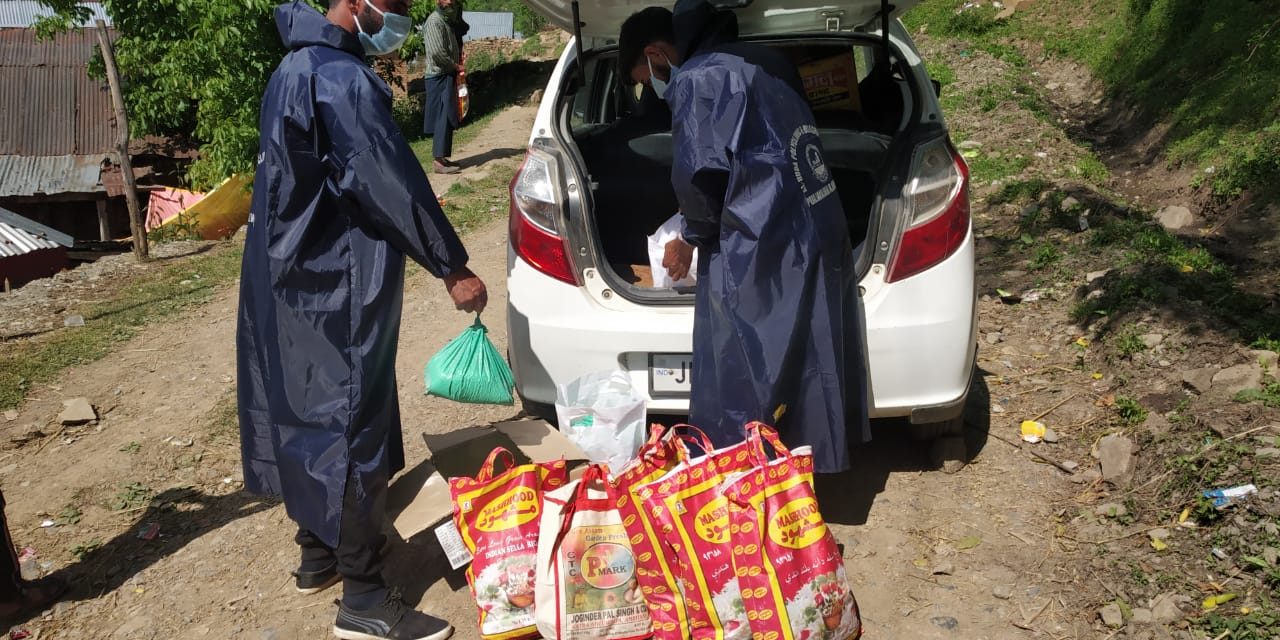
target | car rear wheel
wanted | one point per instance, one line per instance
(539, 410)
(935, 430)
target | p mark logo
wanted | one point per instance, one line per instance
(797, 524)
(509, 510)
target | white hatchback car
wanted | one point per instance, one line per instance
(596, 181)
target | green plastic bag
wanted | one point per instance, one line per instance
(470, 369)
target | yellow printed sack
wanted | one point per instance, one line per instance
(498, 517)
(788, 566)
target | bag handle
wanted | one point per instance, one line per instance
(688, 434)
(487, 469)
(596, 473)
(759, 433)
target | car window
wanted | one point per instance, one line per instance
(581, 115)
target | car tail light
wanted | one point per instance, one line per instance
(937, 208)
(536, 205)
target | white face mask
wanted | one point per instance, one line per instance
(395, 30)
(660, 86)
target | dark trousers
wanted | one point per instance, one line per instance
(10, 572)
(359, 555)
(441, 113)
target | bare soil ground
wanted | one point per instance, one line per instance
(1009, 547)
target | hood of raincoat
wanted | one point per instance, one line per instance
(300, 26)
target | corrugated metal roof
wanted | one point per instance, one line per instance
(489, 24)
(23, 13)
(29, 176)
(57, 110)
(15, 241)
(35, 228)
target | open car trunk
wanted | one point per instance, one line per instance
(622, 137)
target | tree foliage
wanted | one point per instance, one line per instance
(191, 68)
(197, 69)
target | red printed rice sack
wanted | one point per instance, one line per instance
(692, 519)
(586, 586)
(789, 568)
(498, 519)
(655, 564)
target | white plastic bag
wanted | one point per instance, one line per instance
(587, 587)
(604, 415)
(670, 230)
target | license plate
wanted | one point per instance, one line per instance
(669, 374)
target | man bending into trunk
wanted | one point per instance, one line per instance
(775, 333)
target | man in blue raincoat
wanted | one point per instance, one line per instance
(339, 200)
(776, 332)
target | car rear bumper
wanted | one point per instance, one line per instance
(920, 335)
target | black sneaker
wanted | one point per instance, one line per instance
(309, 582)
(391, 620)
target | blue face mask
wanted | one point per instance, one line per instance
(395, 29)
(660, 86)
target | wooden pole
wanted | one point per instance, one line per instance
(140, 248)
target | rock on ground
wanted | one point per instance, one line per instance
(1166, 608)
(77, 411)
(1175, 217)
(1200, 380)
(1115, 452)
(1241, 377)
(1112, 616)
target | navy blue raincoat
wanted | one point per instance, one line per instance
(338, 201)
(776, 320)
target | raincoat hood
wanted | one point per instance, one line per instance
(300, 25)
(700, 26)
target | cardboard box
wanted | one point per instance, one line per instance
(419, 500)
(831, 84)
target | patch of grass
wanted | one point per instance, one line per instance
(1021, 191)
(942, 72)
(986, 168)
(24, 364)
(183, 228)
(531, 47)
(224, 419)
(69, 515)
(1266, 343)
(132, 447)
(85, 548)
(1130, 410)
(1224, 58)
(130, 496)
(1092, 169)
(1268, 395)
(1263, 624)
(1046, 256)
(1127, 341)
(472, 203)
(1158, 268)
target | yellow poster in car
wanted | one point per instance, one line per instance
(831, 84)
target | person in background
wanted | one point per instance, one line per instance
(339, 200)
(442, 39)
(776, 329)
(20, 597)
